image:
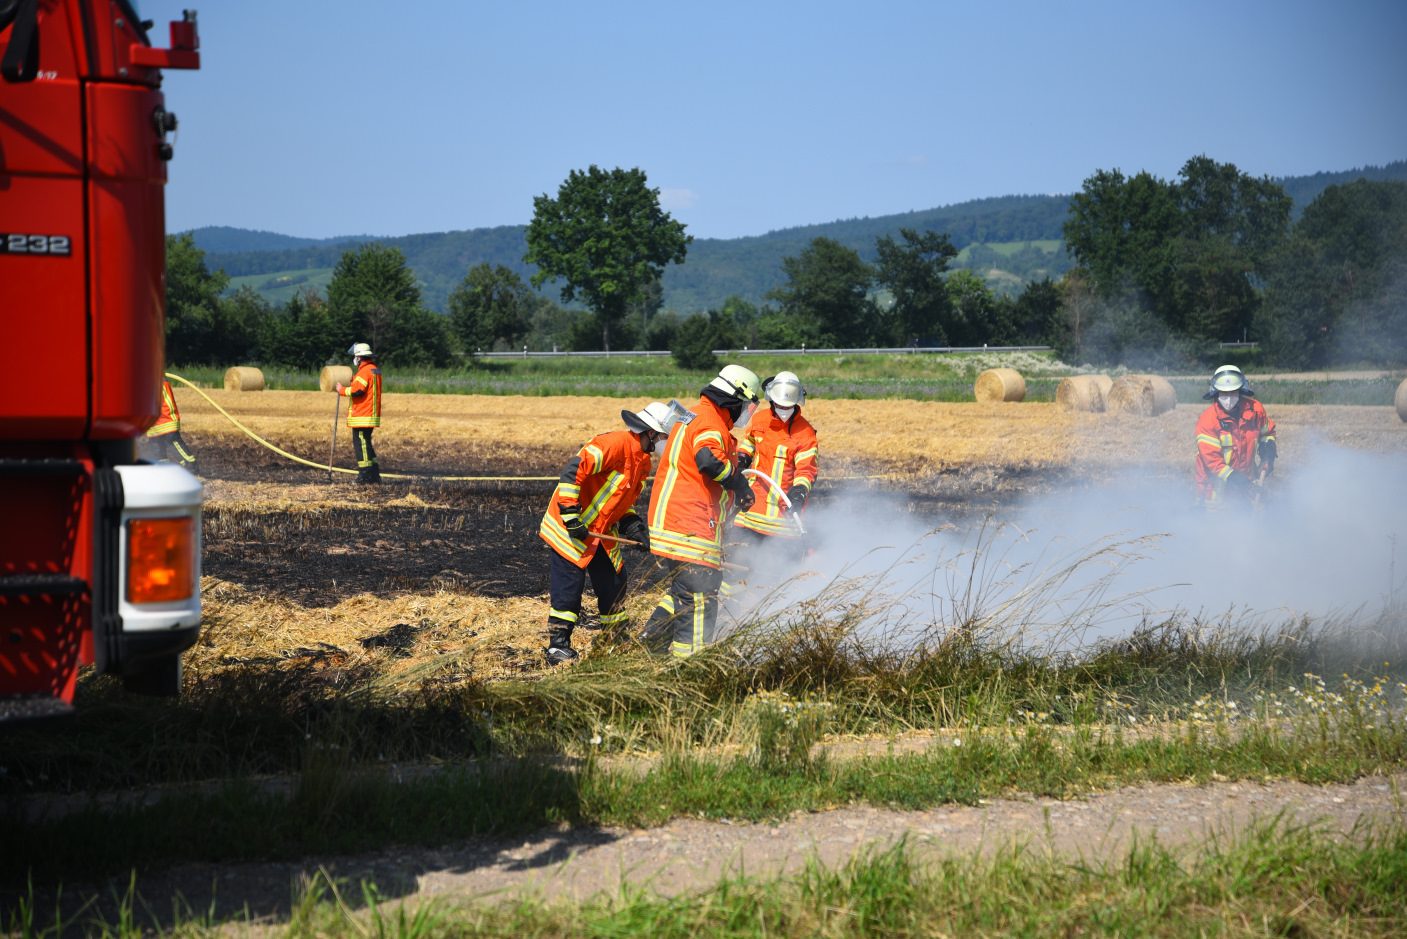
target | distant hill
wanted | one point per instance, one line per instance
(222, 239)
(995, 233)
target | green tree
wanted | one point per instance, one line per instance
(827, 288)
(1337, 289)
(698, 336)
(196, 321)
(373, 297)
(491, 305)
(607, 237)
(913, 273)
(300, 334)
(972, 320)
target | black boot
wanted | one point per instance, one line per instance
(559, 646)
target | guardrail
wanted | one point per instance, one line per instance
(903, 350)
(1239, 345)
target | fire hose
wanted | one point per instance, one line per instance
(780, 494)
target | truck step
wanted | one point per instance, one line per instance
(29, 707)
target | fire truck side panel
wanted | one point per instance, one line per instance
(125, 201)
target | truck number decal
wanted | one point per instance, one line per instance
(35, 244)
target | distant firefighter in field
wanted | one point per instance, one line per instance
(364, 411)
(782, 445)
(1235, 442)
(166, 432)
(596, 496)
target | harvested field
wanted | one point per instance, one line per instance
(294, 561)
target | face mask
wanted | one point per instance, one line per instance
(1228, 402)
(784, 414)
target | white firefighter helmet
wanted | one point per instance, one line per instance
(654, 417)
(785, 390)
(741, 383)
(359, 350)
(1228, 380)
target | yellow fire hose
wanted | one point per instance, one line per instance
(337, 469)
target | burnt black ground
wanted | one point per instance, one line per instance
(475, 537)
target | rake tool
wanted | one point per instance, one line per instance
(332, 448)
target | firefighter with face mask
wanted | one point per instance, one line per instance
(364, 411)
(1232, 433)
(782, 444)
(700, 476)
(166, 432)
(595, 495)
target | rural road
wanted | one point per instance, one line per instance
(691, 854)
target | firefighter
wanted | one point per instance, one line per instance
(700, 474)
(782, 444)
(166, 432)
(596, 495)
(1232, 433)
(364, 411)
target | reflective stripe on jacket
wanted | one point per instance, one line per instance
(786, 451)
(169, 420)
(687, 505)
(1227, 443)
(604, 479)
(365, 392)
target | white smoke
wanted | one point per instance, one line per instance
(1092, 563)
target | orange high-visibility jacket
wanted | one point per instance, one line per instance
(169, 421)
(786, 451)
(365, 392)
(1227, 443)
(687, 504)
(604, 479)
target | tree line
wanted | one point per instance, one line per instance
(1165, 270)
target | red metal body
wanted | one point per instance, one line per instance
(82, 297)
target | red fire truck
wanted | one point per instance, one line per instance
(99, 552)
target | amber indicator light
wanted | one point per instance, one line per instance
(160, 559)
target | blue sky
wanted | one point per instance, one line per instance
(316, 118)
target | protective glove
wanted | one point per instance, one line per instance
(571, 521)
(1267, 456)
(744, 461)
(1240, 482)
(737, 484)
(633, 527)
(797, 495)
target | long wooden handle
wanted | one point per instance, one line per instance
(618, 540)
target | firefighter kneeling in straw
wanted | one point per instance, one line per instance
(700, 474)
(166, 432)
(1231, 434)
(594, 497)
(783, 446)
(364, 410)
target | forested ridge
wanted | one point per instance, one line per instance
(718, 268)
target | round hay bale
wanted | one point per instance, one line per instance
(1146, 395)
(1088, 393)
(332, 374)
(1401, 400)
(241, 378)
(1000, 384)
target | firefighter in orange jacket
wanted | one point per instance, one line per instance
(1231, 434)
(700, 473)
(364, 411)
(166, 432)
(783, 445)
(596, 495)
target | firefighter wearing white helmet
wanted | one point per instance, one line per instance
(700, 477)
(364, 410)
(783, 445)
(596, 496)
(1235, 442)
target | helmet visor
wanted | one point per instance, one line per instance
(678, 414)
(786, 393)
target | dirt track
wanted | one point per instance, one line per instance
(690, 854)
